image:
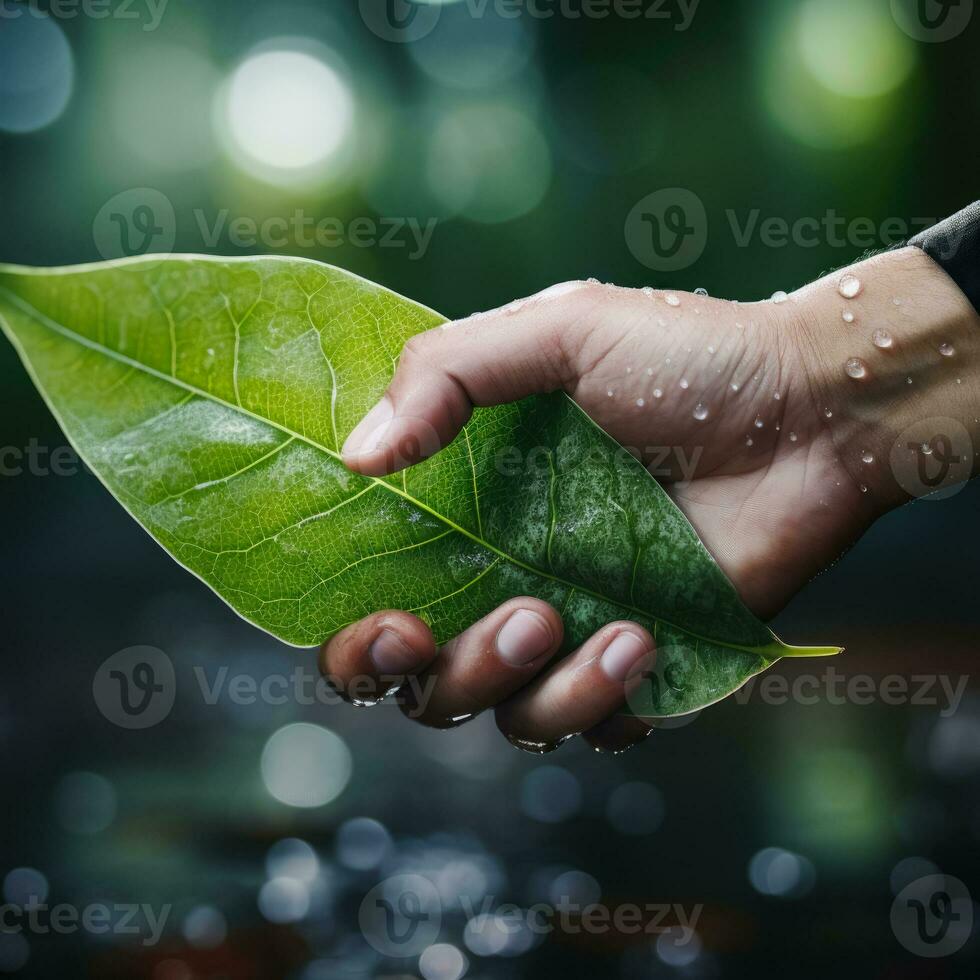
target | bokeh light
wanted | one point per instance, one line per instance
(780, 873)
(204, 927)
(852, 47)
(36, 70)
(832, 71)
(472, 53)
(362, 843)
(85, 802)
(442, 961)
(287, 113)
(284, 900)
(292, 858)
(305, 765)
(22, 886)
(489, 162)
(165, 121)
(551, 794)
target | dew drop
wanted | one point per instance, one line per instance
(700, 412)
(779, 296)
(640, 403)
(867, 457)
(684, 384)
(947, 350)
(849, 286)
(758, 423)
(700, 291)
(847, 316)
(658, 393)
(882, 338)
(855, 368)
(792, 437)
(671, 300)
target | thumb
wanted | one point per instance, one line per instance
(485, 359)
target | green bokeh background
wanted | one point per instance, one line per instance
(529, 140)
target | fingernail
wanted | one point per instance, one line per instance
(390, 654)
(621, 656)
(523, 637)
(370, 431)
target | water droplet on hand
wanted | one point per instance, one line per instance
(649, 372)
(711, 348)
(684, 384)
(734, 386)
(777, 395)
(748, 440)
(847, 316)
(864, 489)
(700, 291)
(647, 290)
(700, 412)
(609, 393)
(792, 437)
(640, 403)
(849, 286)
(779, 296)
(926, 449)
(882, 338)
(867, 457)
(856, 368)
(658, 393)
(947, 350)
(828, 413)
(671, 300)
(758, 423)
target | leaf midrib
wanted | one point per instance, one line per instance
(769, 652)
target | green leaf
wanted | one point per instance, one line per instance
(212, 397)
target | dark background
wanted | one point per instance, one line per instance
(530, 140)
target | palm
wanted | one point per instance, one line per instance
(771, 501)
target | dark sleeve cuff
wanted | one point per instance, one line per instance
(954, 244)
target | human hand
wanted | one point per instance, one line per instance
(776, 454)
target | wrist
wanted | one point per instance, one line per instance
(894, 373)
